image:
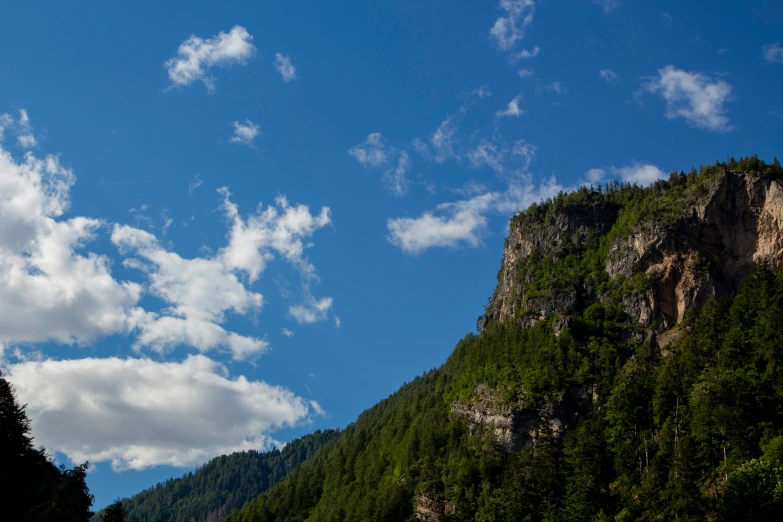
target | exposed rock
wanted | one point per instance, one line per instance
(520, 423)
(575, 223)
(737, 221)
(430, 509)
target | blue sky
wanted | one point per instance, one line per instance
(225, 226)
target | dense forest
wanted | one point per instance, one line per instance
(222, 484)
(691, 429)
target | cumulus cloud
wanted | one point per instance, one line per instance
(608, 5)
(638, 173)
(608, 75)
(512, 109)
(245, 133)
(510, 26)
(280, 229)
(285, 67)
(196, 56)
(772, 53)
(138, 413)
(693, 96)
(51, 288)
(198, 293)
(374, 153)
(287, 332)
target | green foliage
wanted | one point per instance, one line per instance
(37, 490)
(115, 512)
(754, 492)
(221, 485)
(669, 435)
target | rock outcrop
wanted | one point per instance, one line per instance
(519, 423)
(707, 250)
(431, 509)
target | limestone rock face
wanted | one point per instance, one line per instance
(575, 223)
(514, 425)
(430, 509)
(707, 250)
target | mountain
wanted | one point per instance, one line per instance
(222, 484)
(627, 367)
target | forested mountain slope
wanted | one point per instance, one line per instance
(628, 367)
(222, 484)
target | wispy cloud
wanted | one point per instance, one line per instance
(196, 56)
(287, 332)
(512, 109)
(526, 54)
(608, 5)
(510, 26)
(374, 153)
(694, 97)
(608, 75)
(285, 67)
(638, 173)
(772, 53)
(195, 183)
(245, 133)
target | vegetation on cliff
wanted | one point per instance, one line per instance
(685, 429)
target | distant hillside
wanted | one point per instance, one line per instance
(629, 366)
(222, 484)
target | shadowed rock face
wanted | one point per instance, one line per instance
(521, 423)
(707, 251)
(430, 509)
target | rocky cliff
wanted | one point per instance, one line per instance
(703, 246)
(645, 257)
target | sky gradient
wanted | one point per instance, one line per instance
(225, 226)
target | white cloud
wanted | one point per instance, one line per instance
(442, 140)
(51, 288)
(337, 322)
(512, 109)
(557, 87)
(285, 67)
(524, 73)
(139, 413)
(279, 229)
(608, 75)
(490, 154)
(287, 332)
(371, 153)
(245, 133)
(26, 141)
(694, 97)
(198, 293)
(196, 183)
(773, 53)
(312, 310)
(462, 223)
(638, 173)
(374, 153)
(528, 53)
(196, 56)
(510, 27)
(608, 5)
